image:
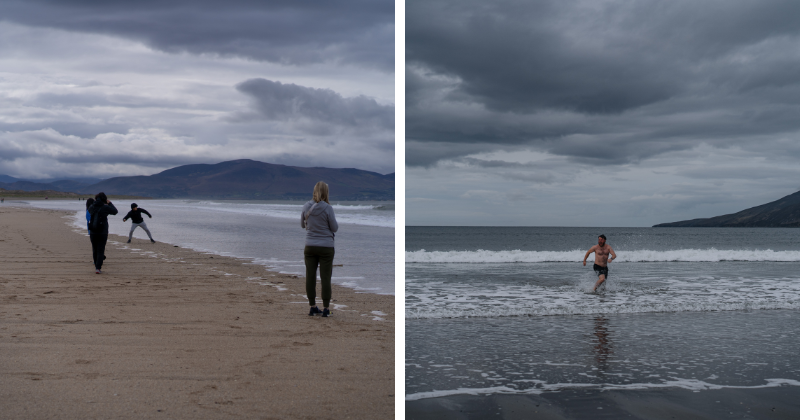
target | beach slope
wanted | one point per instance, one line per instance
(167, 332)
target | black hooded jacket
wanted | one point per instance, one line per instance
(99, 212)
(136, 215)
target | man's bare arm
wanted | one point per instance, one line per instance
(589, 252)
(613, 255)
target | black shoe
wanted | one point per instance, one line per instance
(129, 241)
(326, 313)
(314, 311)
(152, 241)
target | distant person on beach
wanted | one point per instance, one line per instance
(137, 221)
(318, 220)
(601, 260)
(98, 226)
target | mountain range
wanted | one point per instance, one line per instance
(242, 179)
(784, 212)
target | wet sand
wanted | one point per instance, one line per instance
(662, 404)
(167, 332)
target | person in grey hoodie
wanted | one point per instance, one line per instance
(320, 224)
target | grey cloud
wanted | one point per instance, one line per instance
(596, 57)
(495, 163)
(428, 153)
(278, 101)
(52, 100)
(739, 173)
(69, 128)
(600, 82)
(87, 88)
(538, 172)
(359, 32)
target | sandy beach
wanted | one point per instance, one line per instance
(167, 332)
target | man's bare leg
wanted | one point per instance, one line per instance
(599, 282)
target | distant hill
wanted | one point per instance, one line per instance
(41, 194)
(57, 184)
(780, 213)
(250, 180)
(56, 194)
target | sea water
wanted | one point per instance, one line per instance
(266, 232)
(506, 310)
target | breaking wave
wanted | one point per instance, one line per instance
(542, 386)
(645, 255)
(573, 309)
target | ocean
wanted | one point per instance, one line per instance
(493, 310)
(265, 232)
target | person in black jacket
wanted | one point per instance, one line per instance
(137, 221)
(98, 224)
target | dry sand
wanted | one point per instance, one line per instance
(165, 333)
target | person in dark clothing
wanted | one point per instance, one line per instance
(98, 226)
(137, 221)
(89, 203)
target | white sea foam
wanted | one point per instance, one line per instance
(679, 255)
(352, 214)
(287, 206)
(514, 310)
(541, 386)
(437, 299)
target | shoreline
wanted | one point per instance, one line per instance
(169, 331)
(263, 261)
(662, 404)
(692, 385)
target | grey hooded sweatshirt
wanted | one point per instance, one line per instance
(321, 224)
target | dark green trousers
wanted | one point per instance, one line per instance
(321, 256)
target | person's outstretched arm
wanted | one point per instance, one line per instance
(589, 252)
(145, 212)
(127, 216)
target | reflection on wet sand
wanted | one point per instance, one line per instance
(602, 347)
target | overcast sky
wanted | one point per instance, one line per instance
(599, 113)
(100, 89)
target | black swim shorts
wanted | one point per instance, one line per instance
(601, 270)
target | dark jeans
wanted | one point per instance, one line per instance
(322, 256)
(98, 249)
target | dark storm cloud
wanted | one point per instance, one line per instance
(602, 82)
(359, 32)
(278, 101)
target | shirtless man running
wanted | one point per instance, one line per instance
(601, 260)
